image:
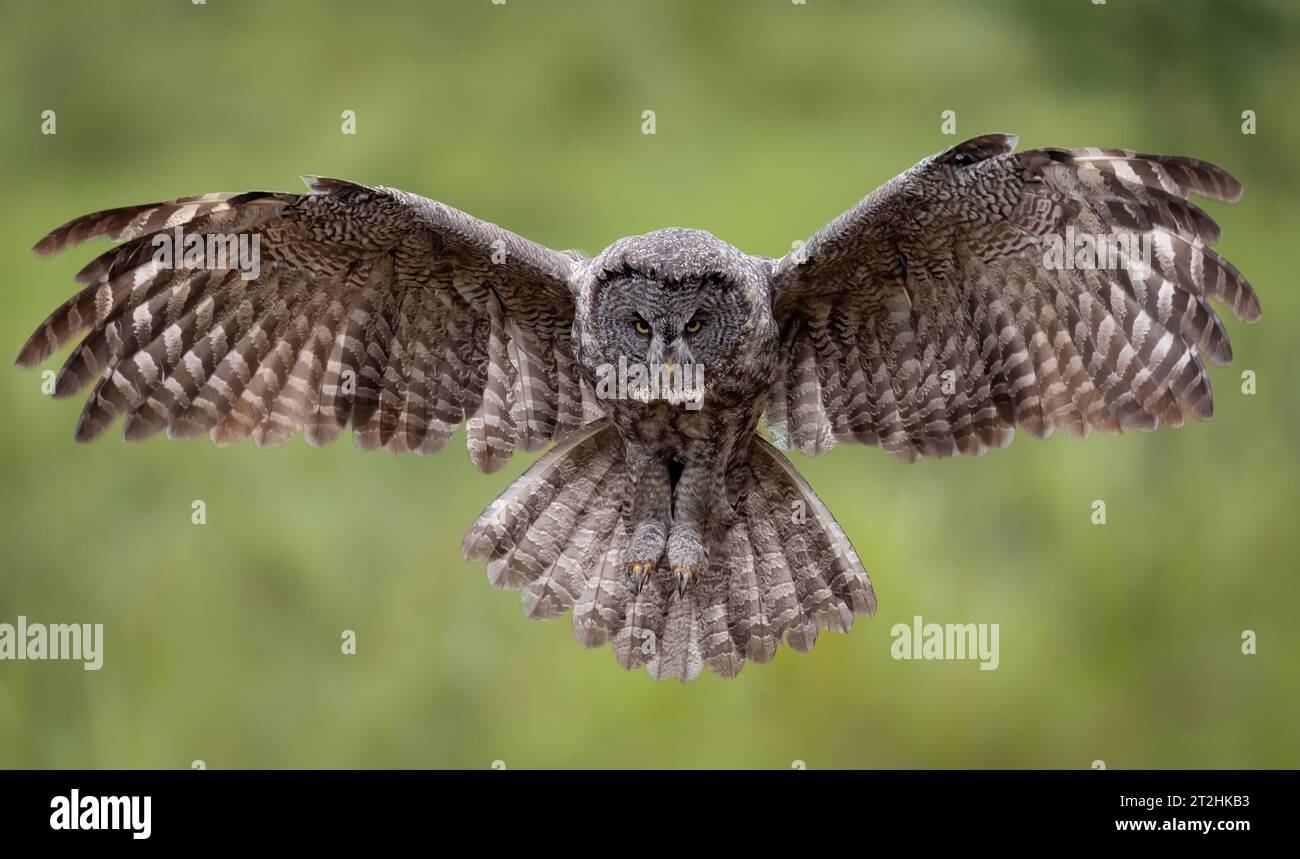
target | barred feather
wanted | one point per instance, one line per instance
(373, 309)
(925, 319)
(558, 535)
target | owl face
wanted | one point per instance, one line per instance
(677, 298)
(653, 322)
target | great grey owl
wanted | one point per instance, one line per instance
(929, 319)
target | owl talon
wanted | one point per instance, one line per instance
(687, 557)
(687, 580)
(638, 574)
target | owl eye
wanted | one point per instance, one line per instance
(693, 326)
(642, 327)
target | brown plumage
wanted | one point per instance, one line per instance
(927, 320)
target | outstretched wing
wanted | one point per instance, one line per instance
(934, 317)
(363, 307)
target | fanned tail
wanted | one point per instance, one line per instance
(782, 569)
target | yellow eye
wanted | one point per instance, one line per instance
(642, 327)
(693, 326)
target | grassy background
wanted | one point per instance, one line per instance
(1119, 643)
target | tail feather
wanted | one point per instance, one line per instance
(599, 612)
(846, 576)
(506, 520)
(557, 589)
(553, 531)
(747, 605)
(781, 570)
(719, 650)
(774, 574)
(638, 643)
(680, 654)
(817, 601)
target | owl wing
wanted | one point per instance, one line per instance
(933, 318)
(367, 307)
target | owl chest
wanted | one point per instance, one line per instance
(674, 431)
(663, 426)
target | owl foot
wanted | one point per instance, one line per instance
(686, 557)
(638, 573)
(687, 579)
(643, 553)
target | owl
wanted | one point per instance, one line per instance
(982, 290)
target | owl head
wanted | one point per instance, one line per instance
(674, 298)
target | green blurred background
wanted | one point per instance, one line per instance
(1119, 643)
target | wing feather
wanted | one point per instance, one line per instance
(368, 308)
(931, 320)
